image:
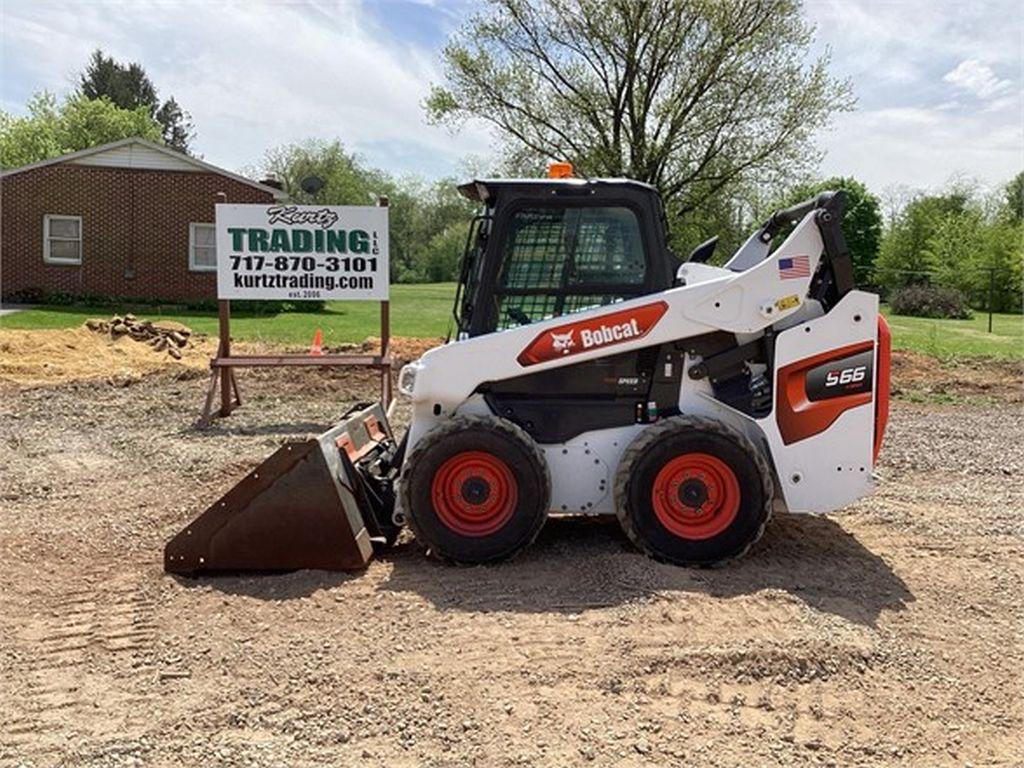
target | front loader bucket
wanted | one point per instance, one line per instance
(304, 507)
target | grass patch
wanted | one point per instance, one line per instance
(959, 338)
(419, 311)
(424, 311)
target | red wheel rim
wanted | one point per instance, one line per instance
(474, 493)
(696, 496)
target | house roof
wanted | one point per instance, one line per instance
(180, 159)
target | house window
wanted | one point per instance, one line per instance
(202, 247)
(62, 239)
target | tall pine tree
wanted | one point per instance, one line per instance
(129, 87)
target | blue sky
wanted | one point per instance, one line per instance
(938, 83)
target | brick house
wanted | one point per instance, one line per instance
(129, 219)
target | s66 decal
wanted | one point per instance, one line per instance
(592, 333)
(845, 376)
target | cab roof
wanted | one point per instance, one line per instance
(488, 190)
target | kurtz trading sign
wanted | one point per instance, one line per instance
(302, 252)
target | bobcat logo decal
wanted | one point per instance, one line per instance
(591, 334)
(562, 342)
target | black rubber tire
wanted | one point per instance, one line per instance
(476, 433)
(658, 444)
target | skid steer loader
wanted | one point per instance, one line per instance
(592, 373)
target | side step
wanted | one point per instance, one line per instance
(318, 503)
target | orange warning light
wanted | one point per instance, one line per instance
(560, 170)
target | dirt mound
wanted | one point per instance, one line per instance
(403, 348)
(917, 374)
(95, 352)
(34, 358)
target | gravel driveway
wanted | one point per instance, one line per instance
(886, 635)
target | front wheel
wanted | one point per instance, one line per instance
(692, 491)
(476, 490)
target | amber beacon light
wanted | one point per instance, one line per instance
(560, 170)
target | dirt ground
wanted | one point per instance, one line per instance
(890, 634)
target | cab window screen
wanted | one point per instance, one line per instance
(560, 248)
(563, 260)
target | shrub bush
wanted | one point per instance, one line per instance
(930, 301)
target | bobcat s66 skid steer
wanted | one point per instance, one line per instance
(592, 373)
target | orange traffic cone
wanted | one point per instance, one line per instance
(317, 347)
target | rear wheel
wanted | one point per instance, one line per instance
(476, 490)
(693, 491)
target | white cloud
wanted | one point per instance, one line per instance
(258, 74)
(255, 75)
(975, 77)
(922, 148)
(919, 69)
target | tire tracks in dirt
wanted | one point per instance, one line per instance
(89, 660)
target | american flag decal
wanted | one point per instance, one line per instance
(792, 267)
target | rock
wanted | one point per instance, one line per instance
(174, 674)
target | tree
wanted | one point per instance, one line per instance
(1003, 253)
(429, 223)
(129, 87)
(689, 95)
(1013, 206)
(177, 126)
(955, 252)
(425, 219)
(727, 215)
(346, 181)
(126, 86)
(904, 258)
(956, 240)
(78, 123)
(862, 222)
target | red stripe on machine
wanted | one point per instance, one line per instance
(803, 407)
(593, 333)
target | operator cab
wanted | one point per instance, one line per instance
(549, 247)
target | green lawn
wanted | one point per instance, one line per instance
(424, 311)
(416, 310)
(959, 338)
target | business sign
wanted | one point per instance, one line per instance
(302, 252)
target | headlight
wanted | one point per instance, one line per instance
(407, 378)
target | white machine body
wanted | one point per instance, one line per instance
(822, 453)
